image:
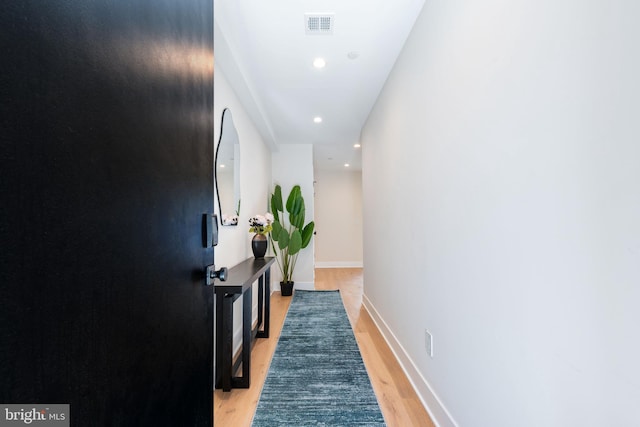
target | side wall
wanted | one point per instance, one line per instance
(507, 137)
(255, 174)
(338, 197)
(234, 243)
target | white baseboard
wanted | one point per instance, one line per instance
(303, 286)
(439, 414)
(338, 264)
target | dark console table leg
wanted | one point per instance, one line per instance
(264, 299)
(260, 304)
(219, 337)
(267, 302)
(243, 381)
(224, 338)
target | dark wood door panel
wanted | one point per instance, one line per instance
(106, 158)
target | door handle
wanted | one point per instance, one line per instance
(212, 273)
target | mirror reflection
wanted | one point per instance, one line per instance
(227, 171)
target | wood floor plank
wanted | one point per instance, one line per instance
(398, 401)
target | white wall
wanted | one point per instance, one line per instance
(507, 137)
(292, 165)
(255, 174)
(338, 216)
(234, 243)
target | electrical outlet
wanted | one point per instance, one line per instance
(428, 342)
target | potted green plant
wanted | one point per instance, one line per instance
(289, 233)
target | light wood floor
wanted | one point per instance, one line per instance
(398, 401)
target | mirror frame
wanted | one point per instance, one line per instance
(225, 113)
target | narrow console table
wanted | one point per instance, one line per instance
(239, 282)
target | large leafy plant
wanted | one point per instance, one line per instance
(289, 234)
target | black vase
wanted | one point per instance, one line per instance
(286, 289)
(259, 245)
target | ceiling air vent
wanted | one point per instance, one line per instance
(319, 23)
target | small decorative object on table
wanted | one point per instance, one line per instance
(229, 219)
(261, 225)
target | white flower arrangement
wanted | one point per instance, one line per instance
(261, 224)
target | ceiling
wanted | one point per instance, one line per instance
(264, 51)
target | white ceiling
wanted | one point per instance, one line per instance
(263, 50)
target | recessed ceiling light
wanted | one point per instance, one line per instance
(221, 166)
(317, 119)
(319, 62)
(356, 145)
(346, 165)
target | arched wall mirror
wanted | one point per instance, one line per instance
(227, 171)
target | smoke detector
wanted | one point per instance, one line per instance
(319, 23)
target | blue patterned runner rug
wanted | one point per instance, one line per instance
(317, 377)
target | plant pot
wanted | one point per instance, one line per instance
(259, 245)
(286, 288)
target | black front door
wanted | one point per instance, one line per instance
(106, 159)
